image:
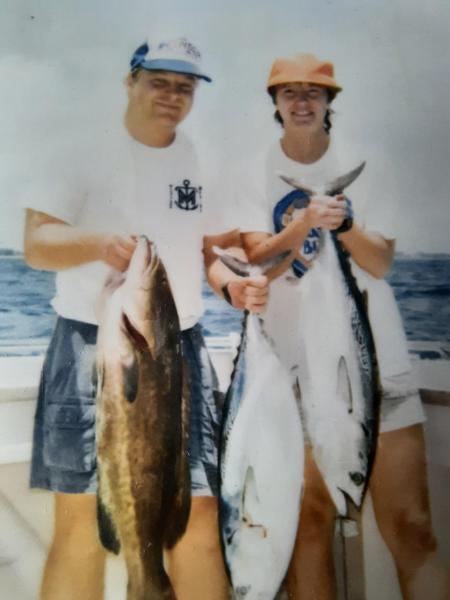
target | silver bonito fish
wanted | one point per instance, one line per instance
(337, 370)
(144, 486)
(261, 462)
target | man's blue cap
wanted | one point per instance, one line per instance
(179, 56)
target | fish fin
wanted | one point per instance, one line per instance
(130, 372)
(271, 263)
(106, 529)
(365, 298)
(338, 185)
(250, 500)
(178, 512)
(296, 183)
(344, 387)
(95, 378)
(239, 267)
(250, 496)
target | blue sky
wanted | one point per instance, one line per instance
(62, 64)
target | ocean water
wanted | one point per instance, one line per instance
(421, 286)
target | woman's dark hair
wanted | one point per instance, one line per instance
(327, 120)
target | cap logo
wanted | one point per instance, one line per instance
(182, 44)
(179, 56)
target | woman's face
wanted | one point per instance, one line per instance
(302, 106)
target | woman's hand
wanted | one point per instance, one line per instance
(327, 212)
(250, 293)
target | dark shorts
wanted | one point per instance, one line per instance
(64, 458)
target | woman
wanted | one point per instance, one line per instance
(302, 89)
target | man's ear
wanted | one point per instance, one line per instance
(129, 81)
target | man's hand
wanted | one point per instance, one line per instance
(327, 212)
(116, 251)
(250, 293)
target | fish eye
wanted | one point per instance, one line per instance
(357, 478)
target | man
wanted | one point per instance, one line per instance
(83, 219)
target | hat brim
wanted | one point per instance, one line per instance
(176, 66)
(325, 82)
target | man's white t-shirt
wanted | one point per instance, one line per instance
(256, 195)
(121, 186)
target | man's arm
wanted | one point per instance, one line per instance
(245, 292)
(52, 244)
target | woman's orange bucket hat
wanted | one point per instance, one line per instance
(303, 68)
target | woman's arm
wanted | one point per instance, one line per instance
(322, 211)
(52, 244)
(250, 293)
(370, 250)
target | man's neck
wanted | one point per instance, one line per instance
(149, 134)
(307, 148)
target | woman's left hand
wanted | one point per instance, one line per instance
(327, 212)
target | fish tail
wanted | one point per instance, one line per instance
(153, 588)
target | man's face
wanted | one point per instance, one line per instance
(161, 97)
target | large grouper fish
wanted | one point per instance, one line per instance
(261, 461)
(142, 415)
(337, 370)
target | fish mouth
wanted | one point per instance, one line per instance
(150, 256)
(144, 260)
(147, 249)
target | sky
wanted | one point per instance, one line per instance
(63, 62)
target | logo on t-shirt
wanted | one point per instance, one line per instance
(186, 196)
(283, 214)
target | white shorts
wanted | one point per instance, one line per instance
(401, 405)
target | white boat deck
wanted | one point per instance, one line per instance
(26, 516)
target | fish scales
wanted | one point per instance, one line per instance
(144, 487)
